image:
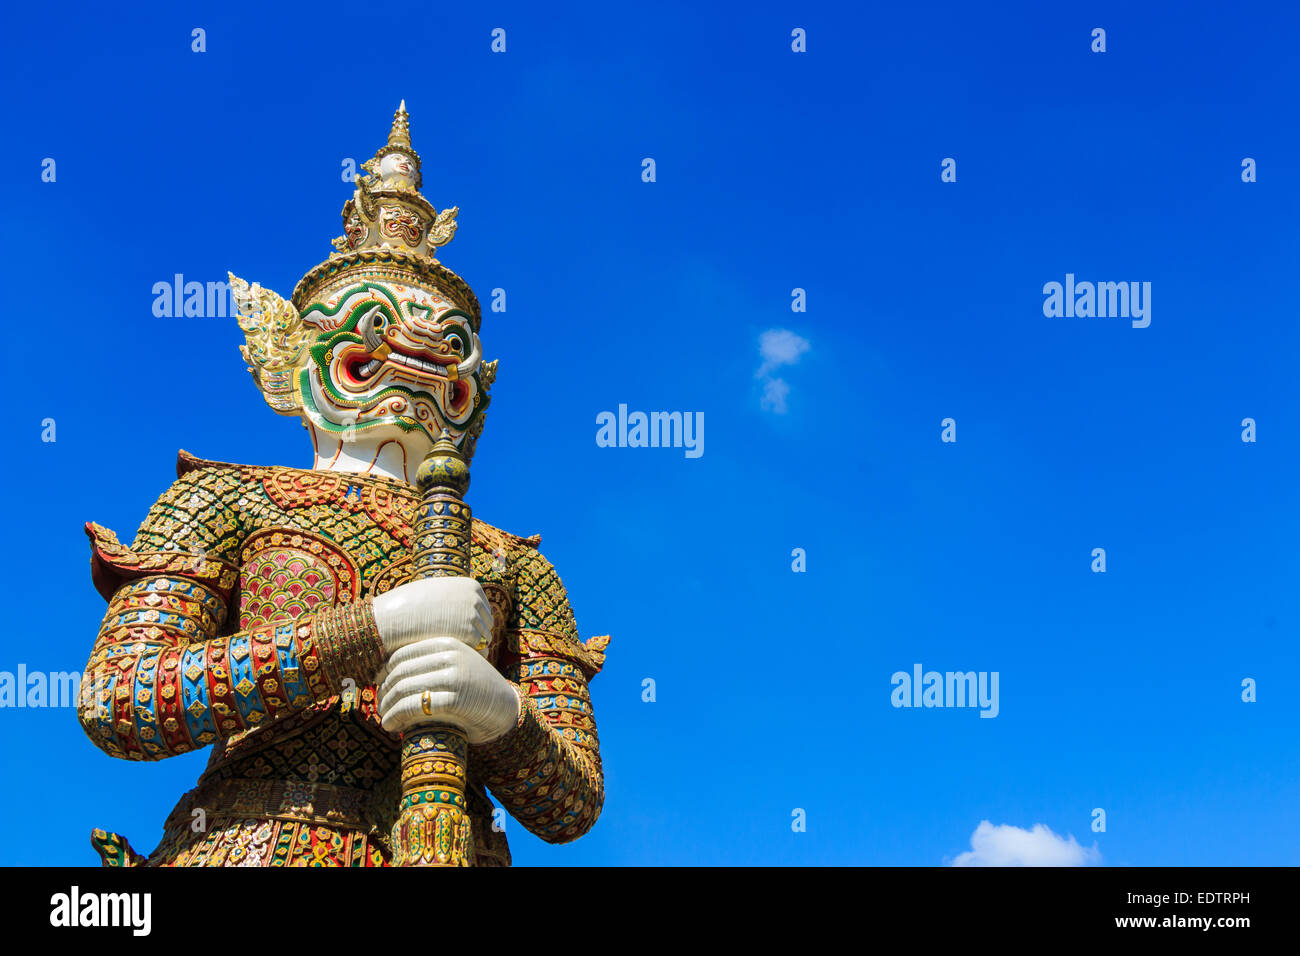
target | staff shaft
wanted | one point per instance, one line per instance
(433, 825)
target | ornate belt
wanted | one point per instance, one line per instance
(347, 808)
(300, 801)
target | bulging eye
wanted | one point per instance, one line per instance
(457, 343)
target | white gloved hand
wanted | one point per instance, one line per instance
(434, 607)
(464, 690)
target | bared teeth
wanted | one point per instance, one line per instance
(419, 364)
(369, 368)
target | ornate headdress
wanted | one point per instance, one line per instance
(380, 332)
(388, 208)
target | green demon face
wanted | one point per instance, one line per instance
(392, 356)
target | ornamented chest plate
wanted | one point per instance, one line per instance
(285, 574)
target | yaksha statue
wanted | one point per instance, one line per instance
(365, 663)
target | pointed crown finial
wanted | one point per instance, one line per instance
(400, 134)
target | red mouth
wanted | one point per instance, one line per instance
(360, 369)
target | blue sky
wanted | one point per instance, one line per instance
(775, 171)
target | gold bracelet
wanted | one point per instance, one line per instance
(374, 640)
(357, 639)
(329, 650)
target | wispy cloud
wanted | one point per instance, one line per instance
(778, 348)
(1007, 845)
(775, 392)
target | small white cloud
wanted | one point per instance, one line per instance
(775, 392)
(779, 347)
(1007, 845)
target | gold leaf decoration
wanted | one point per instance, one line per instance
(276, 342)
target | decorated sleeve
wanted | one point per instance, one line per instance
(162, 678)
(546, 771)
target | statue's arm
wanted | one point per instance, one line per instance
(547, 771)
(162, 678)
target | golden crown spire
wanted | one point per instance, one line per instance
(400, 134)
